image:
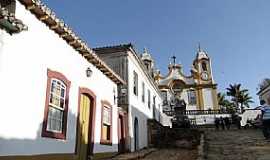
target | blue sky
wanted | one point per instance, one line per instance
(235, 33)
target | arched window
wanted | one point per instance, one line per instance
(192, 98)
(204, 66)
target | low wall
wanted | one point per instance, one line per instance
(205, 118)
(160, 136)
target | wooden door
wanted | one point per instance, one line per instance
(85, 135)
(121, 134)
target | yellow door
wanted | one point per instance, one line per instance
(84, 138)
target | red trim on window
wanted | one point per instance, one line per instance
(92, 121)
(105, 103)
(53, 74)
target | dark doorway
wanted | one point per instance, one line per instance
(121, 134)
(136, 134)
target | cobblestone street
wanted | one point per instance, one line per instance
(172, 154)
(237, 145)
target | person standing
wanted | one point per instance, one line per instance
(238, 121)
(227, 123)
(222, 123)
(217, 123)
(265, 120)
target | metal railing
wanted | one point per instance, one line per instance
(199, 112)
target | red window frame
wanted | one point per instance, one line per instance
(108, 105)
(50, 134)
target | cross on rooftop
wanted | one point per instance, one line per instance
(174, 58)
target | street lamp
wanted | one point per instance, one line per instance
(89, 72)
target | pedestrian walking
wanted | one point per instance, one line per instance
(238, 121)
(217, 123)
(227, 123)
(221, 121)
(265, 119)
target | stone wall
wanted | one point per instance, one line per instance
(161, 137)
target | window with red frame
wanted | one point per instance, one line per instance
(56, 106)
(106, 128)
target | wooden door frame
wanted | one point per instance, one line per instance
(92, 119)
(123, 114)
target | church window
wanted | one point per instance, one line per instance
(164, 96)
(192, 99)
(143, 92)
(56, 106)
(149, 99)
(204, 66)
(135, 83)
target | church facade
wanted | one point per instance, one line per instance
(198, 90)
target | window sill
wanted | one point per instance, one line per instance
(106, 142)
(55, 135)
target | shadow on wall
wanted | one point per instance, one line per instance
(139, 135)
(46, 146)
(41, 145)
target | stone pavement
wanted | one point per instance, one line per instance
(237, 145)
(160, 154)
(172, 154)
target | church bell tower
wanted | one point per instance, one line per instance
(202, 64)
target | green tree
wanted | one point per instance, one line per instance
(224, 103)
(240, 97)
(234, 92)
(245, 99)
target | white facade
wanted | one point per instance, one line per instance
(137, 108)
(208, 99)
(24, 60)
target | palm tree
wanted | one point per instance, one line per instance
(221, 98)
(239, 96)
(245, 99)
(224, 103)
(234, 91)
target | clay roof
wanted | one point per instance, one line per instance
(114, 48)
(48, 17)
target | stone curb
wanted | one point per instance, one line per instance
(201, 148)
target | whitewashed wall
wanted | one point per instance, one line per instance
(249, 115)
(208, 99)
(138, 108)
(25, 58)
(206, 118)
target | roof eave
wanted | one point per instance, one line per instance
(49, 18)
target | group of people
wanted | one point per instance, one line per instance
(222, 123)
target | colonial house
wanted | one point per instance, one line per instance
(141, 97)
(58, 98)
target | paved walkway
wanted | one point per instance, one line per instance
(160, 154)
(172, 154)
(237, 145)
